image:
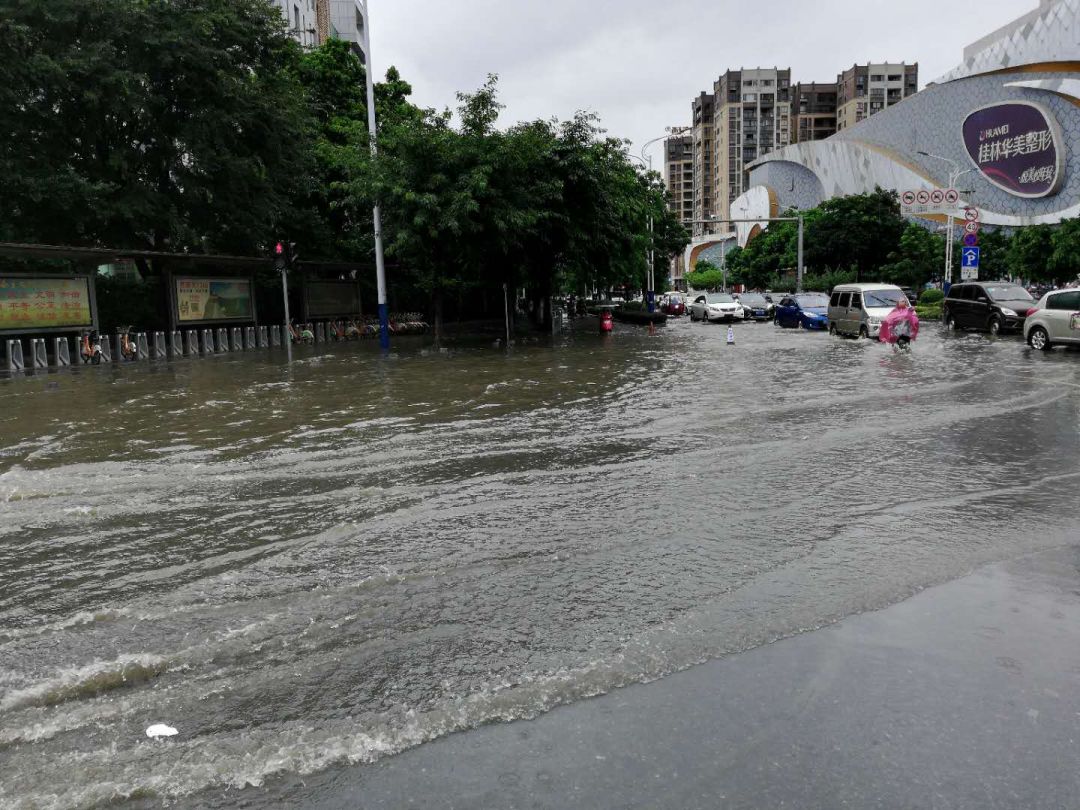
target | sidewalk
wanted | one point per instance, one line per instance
(965, 696)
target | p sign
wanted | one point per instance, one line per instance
(969, 258)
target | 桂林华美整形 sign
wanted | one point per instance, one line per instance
(1017, 146)
(29, 303)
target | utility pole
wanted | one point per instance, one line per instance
(380, 263)
(955, 174)
(282, 263)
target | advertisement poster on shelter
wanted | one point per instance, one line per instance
(45, 302)
(213, 299)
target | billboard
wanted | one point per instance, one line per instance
(210, 300)
(329, 299)
(45, 303)
(1018, 147)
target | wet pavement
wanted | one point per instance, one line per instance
(332, 563)
(965, 696)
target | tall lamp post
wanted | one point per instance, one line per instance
(380, 262)
(955, 173)
(647, 159)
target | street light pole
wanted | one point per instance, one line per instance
(380, 262)
(955, 174)
(723, 252)
(650, 278)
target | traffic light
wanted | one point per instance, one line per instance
(280, 260)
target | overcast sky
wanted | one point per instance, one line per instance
(638, 64)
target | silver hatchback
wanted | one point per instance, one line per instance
(1054, 320)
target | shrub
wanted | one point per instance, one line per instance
(931, 312)
(932, 297)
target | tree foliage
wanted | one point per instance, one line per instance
(159, 124)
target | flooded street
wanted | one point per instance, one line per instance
(302, 567)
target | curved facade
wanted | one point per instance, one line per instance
(1015, 172)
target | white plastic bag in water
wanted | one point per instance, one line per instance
(160, 730)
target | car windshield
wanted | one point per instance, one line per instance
(674, 299)
(752, 300)
(1008, 292)
(812, 301)
(883, 298)
(719, 298)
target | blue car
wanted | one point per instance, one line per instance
(808, 310)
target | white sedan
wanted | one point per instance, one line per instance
(716, 307)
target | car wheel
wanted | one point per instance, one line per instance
(864, 332)
(950, 322)
(994, 325)
(1039, 338)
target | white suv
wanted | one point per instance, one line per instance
(1055, 319)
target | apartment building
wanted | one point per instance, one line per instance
(752, 117)
(701, 133)
(301, 17)
(814, 111)
(864, 90)
(312, 22)
(679, 177)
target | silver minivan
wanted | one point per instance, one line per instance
(858, 309)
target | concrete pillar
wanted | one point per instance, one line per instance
(157, 346)
(15, 361)
(61, 352)
(39, 356)
(320, 333)
(176, 344)
(222, 340)
(208, 341)
(264, 337)
(106, 349)
(237, 343)
(275, 336)
(249, 338)
(142, 348)
(191, 343)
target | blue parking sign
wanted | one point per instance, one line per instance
(969, 258)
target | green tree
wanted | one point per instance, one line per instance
(706, 276)
(919, 257)
(162, 124)
(1065, 258)
(855, 233)
(1030, 253)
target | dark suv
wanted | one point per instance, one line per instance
(993, 306)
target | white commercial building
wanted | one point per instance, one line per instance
(312, 22)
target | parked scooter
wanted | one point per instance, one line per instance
(128, 348)
(90, 347)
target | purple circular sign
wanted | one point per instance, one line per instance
(1017, 146)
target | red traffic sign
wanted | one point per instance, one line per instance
(952, 196)
(971, 239)
(971, 214)
(937, 196)
(908, 198)
(972, 226)
(923, 197)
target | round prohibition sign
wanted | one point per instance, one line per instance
(908, 198)
(972, 227)
(923, 197)
(971, 214)
(937, 197)
(952, 196)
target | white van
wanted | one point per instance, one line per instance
(858, 309)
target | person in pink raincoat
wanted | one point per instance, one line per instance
(901, 326)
